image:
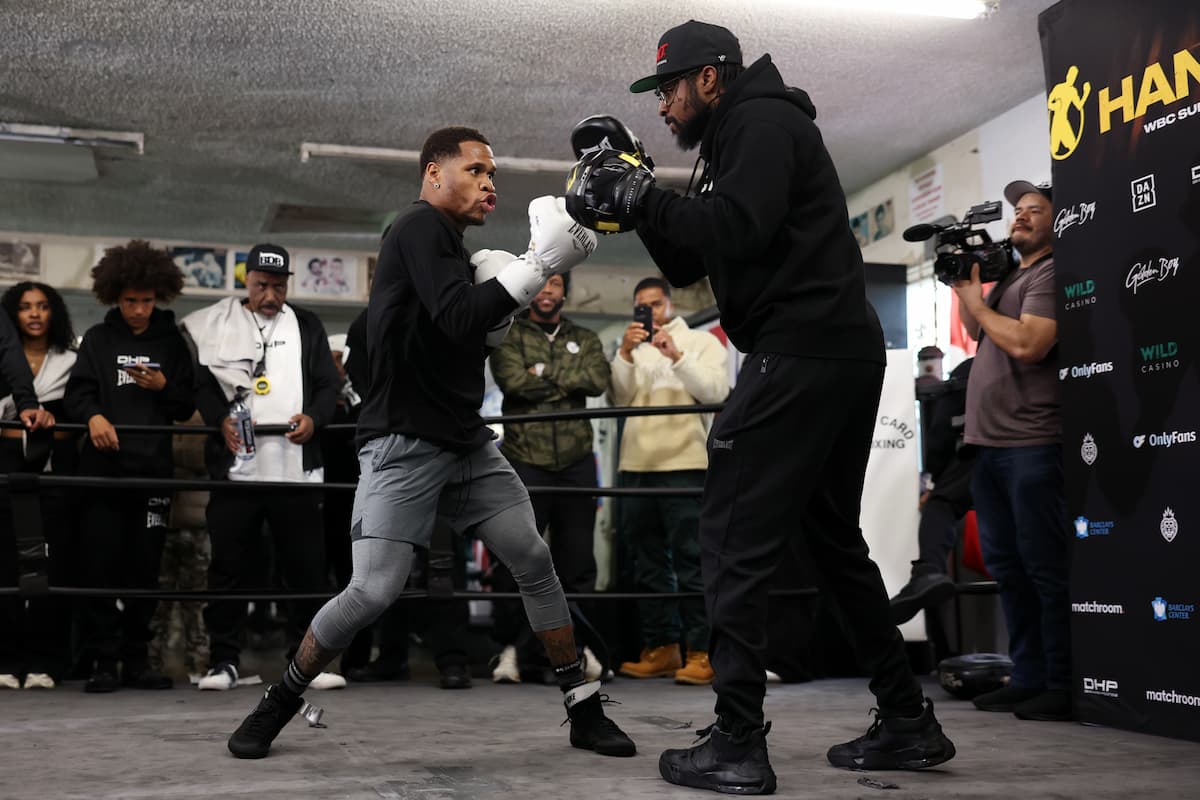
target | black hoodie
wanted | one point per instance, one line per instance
(771, 231)
(98, 385)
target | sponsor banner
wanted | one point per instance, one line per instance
(1123, 115)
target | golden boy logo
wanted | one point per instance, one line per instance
(1066, 132)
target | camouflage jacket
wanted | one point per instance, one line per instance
(575, 368)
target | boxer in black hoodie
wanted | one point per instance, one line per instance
(768, 226)
(133, 369)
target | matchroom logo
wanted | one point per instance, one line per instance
(1161, 85)
(1092, 607)
(1173, 697)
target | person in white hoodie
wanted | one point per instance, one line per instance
(675, 366)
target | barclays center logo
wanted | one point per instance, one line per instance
(1086, 528)
(1165, 611)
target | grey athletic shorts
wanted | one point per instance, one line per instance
(404, 483)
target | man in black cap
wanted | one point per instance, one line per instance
(275, 356)
(768, 226)
(1015, 423)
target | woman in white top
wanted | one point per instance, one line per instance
(35, 635)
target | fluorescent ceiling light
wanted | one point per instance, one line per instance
(957, 9)
(309, 150)
(80, 137)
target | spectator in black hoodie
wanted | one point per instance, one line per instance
(769, 228)
(132, 369)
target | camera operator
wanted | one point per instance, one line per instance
(1013, 419)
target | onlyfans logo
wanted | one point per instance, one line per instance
(1165, 439)
(1085, 370)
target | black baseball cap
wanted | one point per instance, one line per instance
(268, 258)
(690, 46)
(1018, 189)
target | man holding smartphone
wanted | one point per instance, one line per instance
(663, 362)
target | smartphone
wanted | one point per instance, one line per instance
(645, 315)
(146, 364)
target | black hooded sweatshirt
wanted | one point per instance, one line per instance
(769, 228)
(99, 386)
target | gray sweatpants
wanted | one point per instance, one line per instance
(404, 485)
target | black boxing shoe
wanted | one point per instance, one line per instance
(724, 762)
(896, 743)
(253, 737)
(590, 728)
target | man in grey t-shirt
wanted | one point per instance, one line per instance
(1013, 418)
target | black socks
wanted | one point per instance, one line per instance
(570, 675)
(294, 680)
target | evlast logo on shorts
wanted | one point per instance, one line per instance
(904, 434)
(1152, 270)
(1078, 214)
(123, 377)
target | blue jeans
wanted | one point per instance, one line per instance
(1025, 536)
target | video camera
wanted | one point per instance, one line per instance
(961, 244)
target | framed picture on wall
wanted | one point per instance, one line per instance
(861, 228)
(20, 260)
(883, 221)
(324, 275)
(239, 269)
(202, 267)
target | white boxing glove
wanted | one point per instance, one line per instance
(556, 244)
(488, 264)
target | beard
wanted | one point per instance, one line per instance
(549, 315)
(692, 131)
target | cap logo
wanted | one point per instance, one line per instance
(661, 58)
(270, 260)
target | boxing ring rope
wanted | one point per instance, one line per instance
(26, 487)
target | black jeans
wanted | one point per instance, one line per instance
(788, 457)
(235, 520)
(121, 545)
(946, 505)
(572, 522)
(35, 634)
(664, 536)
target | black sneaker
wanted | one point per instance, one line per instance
(1006, 699)
(590, 728)
(1052, 705)
(724, 762)
(145, 678)
(922, 591)
(455, 676)
(896, 743)
(103, 680)
(378, 671)
(253, 737)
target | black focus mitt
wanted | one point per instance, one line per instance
(606, 132)
(606, 191)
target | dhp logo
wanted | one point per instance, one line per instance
(1104, 686)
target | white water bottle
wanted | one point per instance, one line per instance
(239, 412)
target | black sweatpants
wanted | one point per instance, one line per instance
(788, 457)
(121, 544)
(235, 520)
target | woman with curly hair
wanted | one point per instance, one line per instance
(34, 638)
(133, 369)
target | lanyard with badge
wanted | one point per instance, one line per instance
(262, 384)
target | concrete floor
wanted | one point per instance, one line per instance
(413, 741)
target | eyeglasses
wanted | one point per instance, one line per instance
(666, 92)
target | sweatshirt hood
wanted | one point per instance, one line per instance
(761, 79)
(162, 323)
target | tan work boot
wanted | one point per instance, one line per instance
(697, 671)
(657, 662)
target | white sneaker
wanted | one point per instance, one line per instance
(9, 682)
(506, 670)
(38, 680)
(221, 678)
(592, 668)
(328, 680)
